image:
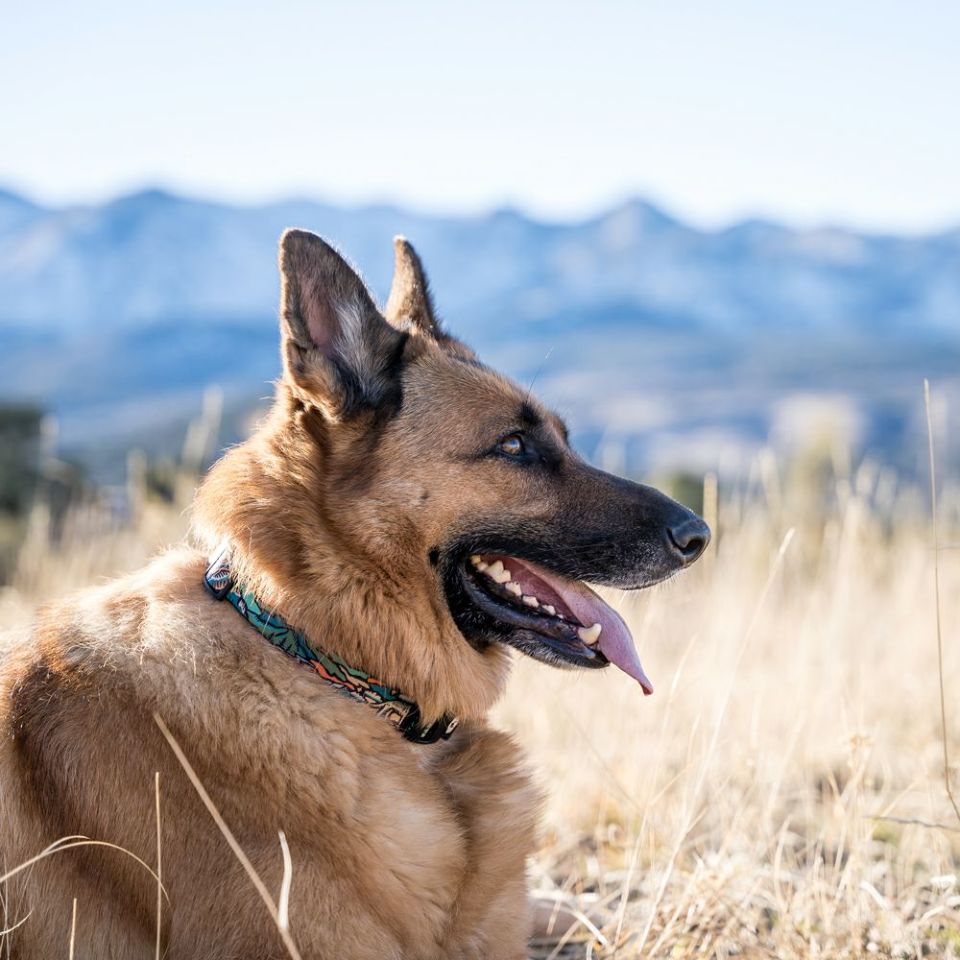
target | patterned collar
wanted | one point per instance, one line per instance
(389, 702)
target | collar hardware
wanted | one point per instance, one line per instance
(388, 701)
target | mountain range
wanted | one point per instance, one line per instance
(663, 344)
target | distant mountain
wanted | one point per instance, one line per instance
(650, 333)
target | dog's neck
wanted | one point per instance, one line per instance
(378, 612)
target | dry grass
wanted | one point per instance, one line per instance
(756, 805)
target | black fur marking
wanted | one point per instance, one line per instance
(528, 417)
(384, 397)
(469, 361)
(611, 532)
(393, 372)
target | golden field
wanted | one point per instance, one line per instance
(782, 794)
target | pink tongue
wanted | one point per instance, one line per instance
(616, 643)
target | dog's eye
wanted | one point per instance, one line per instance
(512, 445)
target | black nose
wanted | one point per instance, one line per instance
(689, 539)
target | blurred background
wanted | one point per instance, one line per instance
(702, 230)
(723, 240)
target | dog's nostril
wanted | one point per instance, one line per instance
(689, 538)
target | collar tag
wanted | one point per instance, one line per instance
(218, 579)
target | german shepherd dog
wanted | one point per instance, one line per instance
(325, 656)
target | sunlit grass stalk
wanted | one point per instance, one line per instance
(936, 594)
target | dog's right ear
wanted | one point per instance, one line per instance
(337, 349)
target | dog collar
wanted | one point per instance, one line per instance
(388, 702)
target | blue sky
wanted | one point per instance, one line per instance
(813, 111)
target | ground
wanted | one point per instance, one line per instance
(782, 793)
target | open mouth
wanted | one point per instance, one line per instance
(546, 615)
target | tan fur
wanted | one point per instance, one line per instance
(399, 850)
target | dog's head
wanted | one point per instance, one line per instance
(455, 484)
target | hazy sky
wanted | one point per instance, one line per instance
(846, 110)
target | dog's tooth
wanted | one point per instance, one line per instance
(498, 572)
(475, 560)
(514, 588)
(589, 635)
(531, 601)
(549, 608)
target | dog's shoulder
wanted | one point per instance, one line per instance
(101, 626)
(88, 647)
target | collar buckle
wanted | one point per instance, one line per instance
(413, 730)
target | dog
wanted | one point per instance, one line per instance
(324, 653)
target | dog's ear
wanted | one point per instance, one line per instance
(410, 305)
(336, 346)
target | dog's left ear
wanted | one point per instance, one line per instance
(337, 348)
(410, 306)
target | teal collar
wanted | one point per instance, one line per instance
(389, 702)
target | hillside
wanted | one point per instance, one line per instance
(663, 343)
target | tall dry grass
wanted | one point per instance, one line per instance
(782, 794)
